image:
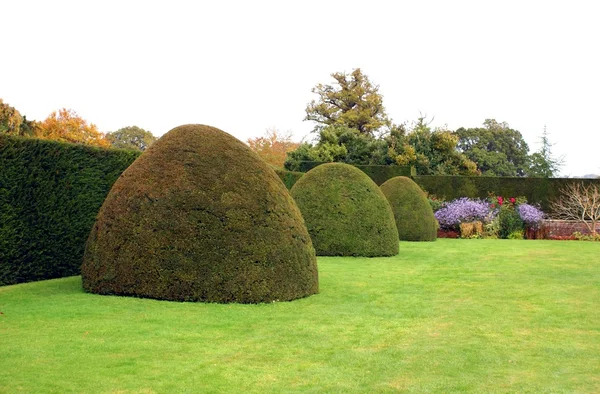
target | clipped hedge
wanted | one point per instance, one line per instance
(200, 217)
(413, 213)
(537, 190)
(345, 212)
(50, 193)
(289, 178)
(378, 174)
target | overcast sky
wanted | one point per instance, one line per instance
(245, 66)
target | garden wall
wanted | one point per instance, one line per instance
(562, 228)
(50, 193)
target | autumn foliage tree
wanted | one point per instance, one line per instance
(66, 125)
(273, 146)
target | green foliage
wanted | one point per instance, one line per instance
(353, 102)
(431, 152)
(379, 174)
(586, 237)
(497, 149)
(510, 223)
(289, 178)
(200, 217)
(345, 212)
(412, 212)
(339, 143)
(50, 193)
(517, 234)
(131, 137)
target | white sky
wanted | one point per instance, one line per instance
(245, 66)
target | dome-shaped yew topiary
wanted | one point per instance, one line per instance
(413, 213)
(345, 212)
(200, 217)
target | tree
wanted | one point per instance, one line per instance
(353, 102)
(67, 126)
(497, 149)
(273, 146)
(581, 202)
(338, 143)
(131, 137)
(12, 122)
(542, 163)
(432, 152)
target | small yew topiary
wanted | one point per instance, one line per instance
(345, 212)
(413, 213)
(200, 217)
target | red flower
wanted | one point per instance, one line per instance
(512, 200)
(500, 200)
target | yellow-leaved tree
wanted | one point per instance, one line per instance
(66, 125)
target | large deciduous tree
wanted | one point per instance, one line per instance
(273, 146)
(497, 149)
(352, 101)
(66, 125)
(131, 137)
(432, 152)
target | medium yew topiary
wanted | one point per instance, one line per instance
(413, 213)
(200, 217)
(345, 212)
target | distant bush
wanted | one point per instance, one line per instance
(345, 212)
(413, 214)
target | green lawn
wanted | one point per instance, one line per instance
(449, 316)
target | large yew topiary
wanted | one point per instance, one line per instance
(413, 213)
(345, 212)
(200, 217)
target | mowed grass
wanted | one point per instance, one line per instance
(448, 316)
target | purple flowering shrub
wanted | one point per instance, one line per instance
(463, 210)
(531, 216)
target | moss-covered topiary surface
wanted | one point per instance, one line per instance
(345, 212)
(414, 216)
(200, 217)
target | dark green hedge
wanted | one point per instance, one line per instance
(413, 213)
(379, 174)
(536, 190)
(50, 193)
(289, 178)
(345, 212)
(200, 217)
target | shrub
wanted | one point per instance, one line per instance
(463, 210)
(413, 214)
(471, 230)
(510, 222)
(50, 193)
(200, 217)
(345, 212)
(532, 216)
